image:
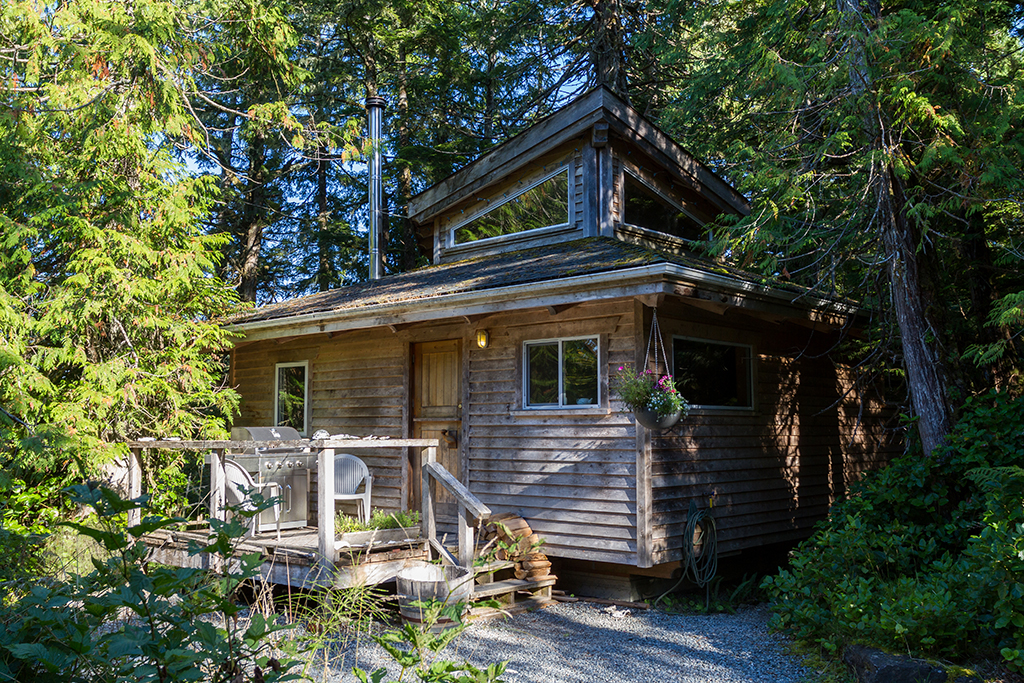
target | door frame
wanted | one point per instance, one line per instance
(414, 465)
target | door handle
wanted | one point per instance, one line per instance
(288, 497)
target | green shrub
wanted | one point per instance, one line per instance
(924, 556)
(133, 620)
(417, 649)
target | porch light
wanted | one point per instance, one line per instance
(482, 339)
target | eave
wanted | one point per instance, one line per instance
(649, 282)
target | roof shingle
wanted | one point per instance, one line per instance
(540, 264)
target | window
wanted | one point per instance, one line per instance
(646, 208)
(291, 388)
(713, 374)
(561, 373)
(541, 205)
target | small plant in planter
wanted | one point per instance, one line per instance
(653, 398)
(379, 519)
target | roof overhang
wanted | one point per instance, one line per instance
(657, 279)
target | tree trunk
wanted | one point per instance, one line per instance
(407, 258)
(926, 379)
(323, 238)
(608, 50)
(252, 222)
(929, 392)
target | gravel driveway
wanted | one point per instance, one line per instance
(589, 643)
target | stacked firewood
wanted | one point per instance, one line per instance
(517, 543)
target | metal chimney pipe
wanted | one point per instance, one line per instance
(374, 109)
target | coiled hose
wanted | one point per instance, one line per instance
(700, 550)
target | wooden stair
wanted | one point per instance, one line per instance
(518, 576)
(514, 595)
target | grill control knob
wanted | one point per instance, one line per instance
(278, 464)
(289, 464)
(270, 465)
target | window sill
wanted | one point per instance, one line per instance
(560, 412)
(511, 238)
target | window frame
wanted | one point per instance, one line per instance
(650, 186)
(751, 357)
(561, 405)
(304, 364)
(569, 205)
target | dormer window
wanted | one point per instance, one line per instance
(645, 207)
(542, 204)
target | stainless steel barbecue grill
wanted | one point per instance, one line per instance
(288, 467)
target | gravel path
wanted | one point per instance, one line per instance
(588, 643)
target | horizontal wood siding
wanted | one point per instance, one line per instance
(357, 387)
(571, 474)
(770, 473)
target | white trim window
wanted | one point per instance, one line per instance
(714, 374)
(561, 373)
(544, 203)
(291, 395)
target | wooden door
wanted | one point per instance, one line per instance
(437, 412)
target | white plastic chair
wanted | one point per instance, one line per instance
(237, 484)
(349, 473)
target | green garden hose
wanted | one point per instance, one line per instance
(700, 549)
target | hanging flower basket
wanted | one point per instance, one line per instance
(653, 398)
(651, 420)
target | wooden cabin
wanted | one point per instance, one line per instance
(549, 256)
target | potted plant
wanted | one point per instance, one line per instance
(653, 398)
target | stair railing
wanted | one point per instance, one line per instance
(470, 507)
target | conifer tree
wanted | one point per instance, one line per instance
(108, 298)
(881, 142)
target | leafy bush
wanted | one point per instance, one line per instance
(133, 620)
(926, 555)
(418, 649)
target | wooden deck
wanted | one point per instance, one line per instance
(294, 559)
(317, 558)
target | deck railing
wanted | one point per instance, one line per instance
(469, 506)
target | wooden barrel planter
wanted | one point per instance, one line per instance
(424, 582)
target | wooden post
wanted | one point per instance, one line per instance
(134, 484)
(465, 538)
(217, 483)
(644, 492)
(428, 523)
(325, 513)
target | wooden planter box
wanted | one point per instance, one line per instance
(379, 536)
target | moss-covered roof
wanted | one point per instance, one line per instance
(588, 256)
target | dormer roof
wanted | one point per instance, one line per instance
(598, 107)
